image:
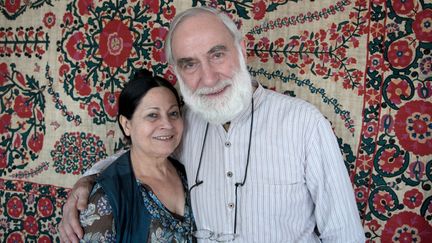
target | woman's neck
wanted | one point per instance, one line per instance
(148, 166)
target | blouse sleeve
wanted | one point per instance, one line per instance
(97, 219)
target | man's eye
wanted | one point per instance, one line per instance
(218, 55)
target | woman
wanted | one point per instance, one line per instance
(143, 195)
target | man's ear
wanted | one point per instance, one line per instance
(125, 123)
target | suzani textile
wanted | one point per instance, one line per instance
(367, 65)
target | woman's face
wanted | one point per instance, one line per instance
(156, 126)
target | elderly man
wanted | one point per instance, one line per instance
(262, 167)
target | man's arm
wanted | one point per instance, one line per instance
(69, 227)
(328, 181)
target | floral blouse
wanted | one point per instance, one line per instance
(165, 226)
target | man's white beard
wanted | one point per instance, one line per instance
(219, 110)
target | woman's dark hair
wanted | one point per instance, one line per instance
(137, 87)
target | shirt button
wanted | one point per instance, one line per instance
(231, 205)
(229, 174)
(227, 144)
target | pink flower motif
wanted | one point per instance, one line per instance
(406, 227)
(413, 198)
(259, 10)
(49, 20)
(115, 43)
(426, 66)
(397, 88)
(361, 194)
(416, 170)
(375, 62)
(422, 25)
(75, 46)
(371, 129)
(400, 54)
(413, 127)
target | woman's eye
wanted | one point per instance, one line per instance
(152, 115)
(175, 114)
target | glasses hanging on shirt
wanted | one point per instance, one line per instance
(206, 234)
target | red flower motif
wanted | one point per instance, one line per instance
(93, 108)
(373, 96)
(403, 7)
(413, 198)
(406, 227)
(416, 170)
(74, 46)
(45, 207)
(35, 142)
(397, 87)
(31, 225)
(84, 6)
(3, 159)
(413, 127)
(389, 161)
(278, 58)
(12, 6)
(169, 12)
(23, 107)
(170, 76)
(82, 86)
(422, 25)
(382, 201)
(5, 122)
(259, 10)
(15, 237)
(371, 129)
(377, 30)
(158, 36)
(110, 103)
(44, 239)
(115, 43)
(15, 207)
(68, 18)
(400, 54)
(4, 72)
(361, 194)
(373, 225)
(49, 20)
(153, 5)
(375, 62)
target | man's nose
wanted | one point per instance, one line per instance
(209, 76)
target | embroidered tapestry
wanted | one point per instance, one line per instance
(367, 65)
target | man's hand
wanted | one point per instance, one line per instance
(69, 227)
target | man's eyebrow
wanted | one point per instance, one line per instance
(184, 60)
(217, 48)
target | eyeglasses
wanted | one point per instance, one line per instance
(205, 234)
